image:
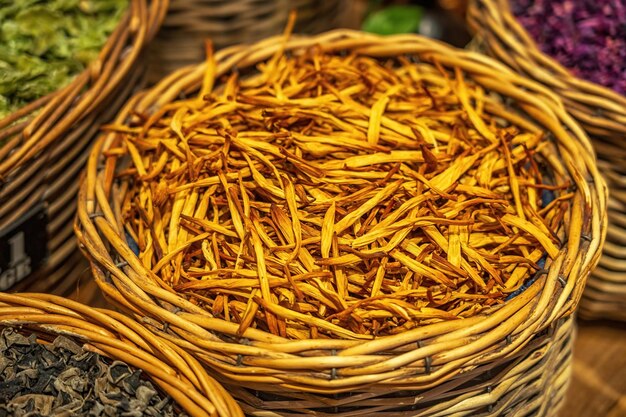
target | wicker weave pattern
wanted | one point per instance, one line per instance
(600, 111)
(190, 22)
(420, 359)
(116, 336)
(49, 144)
(533, 382)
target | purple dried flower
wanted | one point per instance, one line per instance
(586, 36)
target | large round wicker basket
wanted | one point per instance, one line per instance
(47, 143)
(117, 337)
(599, 110)
(507, 360)
(189, 24)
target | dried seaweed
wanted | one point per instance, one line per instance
(340, 195)
(61, 379)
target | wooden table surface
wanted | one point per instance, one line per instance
(598, 387)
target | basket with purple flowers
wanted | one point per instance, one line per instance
(576, 48)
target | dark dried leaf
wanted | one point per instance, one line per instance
(63, 380)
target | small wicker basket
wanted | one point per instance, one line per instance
(47, 143)
(117, 337)
(486, 364)
(190, 22)
(599, 110)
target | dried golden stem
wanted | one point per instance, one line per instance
(341, 195)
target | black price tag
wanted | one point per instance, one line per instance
(23, 247)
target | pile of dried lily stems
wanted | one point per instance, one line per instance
(329, 195)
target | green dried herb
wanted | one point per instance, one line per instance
(45, 43)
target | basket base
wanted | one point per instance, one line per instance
(532, 383)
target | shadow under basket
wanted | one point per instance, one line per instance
(511, 359)
(599, 110)
(47, 143)
(118, 338)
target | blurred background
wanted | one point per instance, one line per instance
(441, 19)
(189, 23)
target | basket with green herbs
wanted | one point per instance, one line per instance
(66, 66)
(577, 49)
(46, 44)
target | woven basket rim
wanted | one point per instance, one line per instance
(114, 336)
(121, 277)
(60, 110)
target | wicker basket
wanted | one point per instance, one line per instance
(190, 22)
(599, 110)
(119, 338)
(447, 368)
(533, 382)
(48, 144)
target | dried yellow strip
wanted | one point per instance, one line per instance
(531, 229)
(454, 245)
(327, 231)
(373, 131)
(421, 269)
(323, 195)
(380, 196)
(260, 264)
(380, 276)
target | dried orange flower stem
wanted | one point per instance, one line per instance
(340, 195)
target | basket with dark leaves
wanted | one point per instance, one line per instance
(61, 358)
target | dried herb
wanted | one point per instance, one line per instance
(331, 194)
(45, 43)
(586, 36)
(61, 379)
